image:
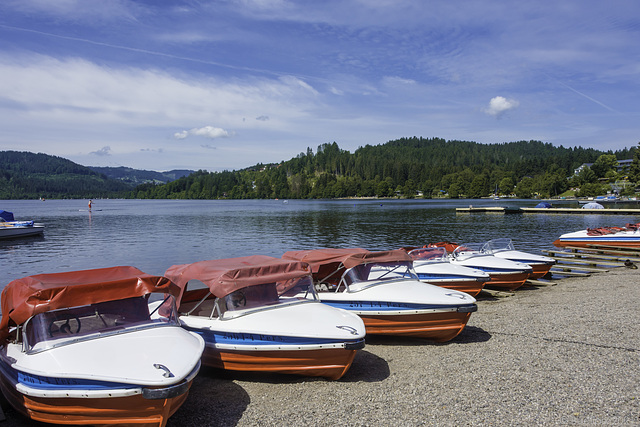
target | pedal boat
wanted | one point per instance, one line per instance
(627, 236)
(384, 290)
(432, 265)
(505, 274)
(81, 348)
(503, 248)
(260, 313)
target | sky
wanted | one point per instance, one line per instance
(226, 84)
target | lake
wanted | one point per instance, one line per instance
(155, 234)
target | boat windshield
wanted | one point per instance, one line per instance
(365, 275)
(70, 325)
(498, 245)
(422, 255)
(470, 249)
(268, 295)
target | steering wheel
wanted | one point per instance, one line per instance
(239, 300)
(66, 327)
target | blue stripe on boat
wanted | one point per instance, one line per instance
(388, 306)
(240, 338)
(53, 383)
(427, 276)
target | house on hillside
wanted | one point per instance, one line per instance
(621, 165)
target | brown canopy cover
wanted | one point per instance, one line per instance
(26, 297)
(224, 276)
(317, 258)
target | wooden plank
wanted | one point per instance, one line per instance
(540, 282)
(625, 249)
(593, 262)
(594, 256)
(590, 250)
(570, 273)
(581, 268)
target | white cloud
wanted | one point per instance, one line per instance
(499, 105)
(207, 131)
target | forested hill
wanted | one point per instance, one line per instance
(407, 167)
(25, 175)
(135, 176)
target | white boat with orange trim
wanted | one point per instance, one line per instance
(627, 236)
(505, 274)
(504, 248)
(82, 348)
(433, 266)
(259, 313)
(384, 290)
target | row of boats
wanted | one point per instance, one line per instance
(119, 346)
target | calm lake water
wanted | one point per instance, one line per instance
(155, 234)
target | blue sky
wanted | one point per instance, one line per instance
(218, 85)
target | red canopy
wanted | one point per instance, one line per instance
(325, 262)
(26, 297)
(224, 276)
(348, 257)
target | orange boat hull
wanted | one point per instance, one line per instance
(510, 282)
(131, 410)
(331, 363)
(539, 270)
(439, 327)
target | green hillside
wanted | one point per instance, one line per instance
(406, 167)
(135, 177)
(25, 175)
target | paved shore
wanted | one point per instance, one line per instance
(554, 355)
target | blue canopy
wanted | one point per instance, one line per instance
(6, 215)
(545, 205)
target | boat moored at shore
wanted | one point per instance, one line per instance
(505, 274)
(82, 348)
(433, 266)
(503, 248)
(384, 290)
(259, 313)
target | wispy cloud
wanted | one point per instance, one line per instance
(104, 151)
(211, 132)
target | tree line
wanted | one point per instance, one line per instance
(410, 167)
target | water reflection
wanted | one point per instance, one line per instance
(155, 234)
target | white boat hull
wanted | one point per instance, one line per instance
(538, 263)
(9, 231)
(505, 274)
(111, 380)
(308, 338)
(583, 239)
(452, 276)
(407, 308)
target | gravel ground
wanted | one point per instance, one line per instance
(552, 355)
